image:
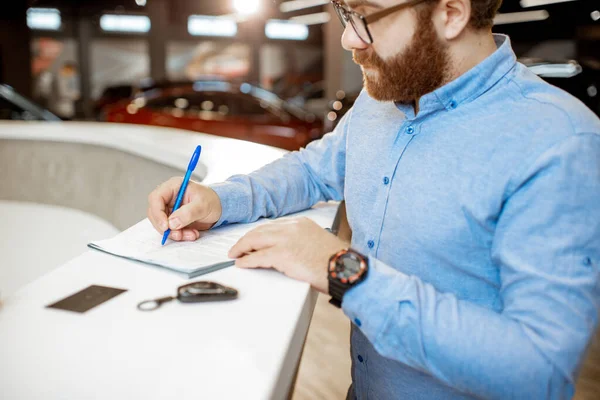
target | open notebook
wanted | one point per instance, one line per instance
(141, 243)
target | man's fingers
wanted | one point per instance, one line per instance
(154, 220)
(176, 235)
(192, 212)
(157, 215)
(257, 259)
(255, 240)
(188, 235)
(159, 200)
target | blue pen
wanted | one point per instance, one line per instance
(184, 184)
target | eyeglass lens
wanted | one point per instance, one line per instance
(357, 23)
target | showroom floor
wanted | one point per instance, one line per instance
(325, 367)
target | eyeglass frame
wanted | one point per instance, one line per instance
(342, 12)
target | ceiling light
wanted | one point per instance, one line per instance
(563, 70)
(535, 3)
(125, 23)
(518, 17)
(595, 15)
(43, 18)
(312, 19)
(206, 25)
(295, 5)
(282, 29)
(246, 6)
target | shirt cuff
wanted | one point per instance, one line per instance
(369, 303)
(235, 204)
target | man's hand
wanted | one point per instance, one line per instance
(200, 209)
(298, 247)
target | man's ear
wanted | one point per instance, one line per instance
(452, 17)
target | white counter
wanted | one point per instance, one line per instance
(248, 348)
(243, 349)
(221, 157)
(30, 245)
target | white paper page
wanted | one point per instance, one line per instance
(142, 242)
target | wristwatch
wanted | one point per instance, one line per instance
(346, 269)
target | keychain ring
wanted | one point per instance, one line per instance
(148, 305)
(151, 305)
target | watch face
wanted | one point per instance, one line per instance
(347, 267)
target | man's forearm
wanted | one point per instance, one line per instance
(280, 188)
(293, 183)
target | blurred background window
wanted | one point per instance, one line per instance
(117, 62)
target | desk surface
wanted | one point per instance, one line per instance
(27, 253)
(246, 348)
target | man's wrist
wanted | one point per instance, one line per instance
(346, 269)
(234, 203)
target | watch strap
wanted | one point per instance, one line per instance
(335, 302)
(337, 290)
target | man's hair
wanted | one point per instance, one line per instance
(483, 13)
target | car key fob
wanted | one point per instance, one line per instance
(194, 292)
(205, 291)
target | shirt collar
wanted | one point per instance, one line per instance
(469, 85)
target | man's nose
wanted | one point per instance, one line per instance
(351, 41)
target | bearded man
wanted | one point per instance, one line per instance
(472, 190)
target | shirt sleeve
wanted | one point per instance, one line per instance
(292, 183)
(547, 249)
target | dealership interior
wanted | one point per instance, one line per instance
(101, 101)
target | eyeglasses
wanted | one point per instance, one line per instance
(360, 22)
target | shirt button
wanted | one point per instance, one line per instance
(357, 322)
(371, 244)
(360, 358)
(452, 105)
(386, 180)
(410, 130)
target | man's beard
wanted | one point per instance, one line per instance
(420, 69)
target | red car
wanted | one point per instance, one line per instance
(240, 111)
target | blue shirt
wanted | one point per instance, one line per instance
(480, 216)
